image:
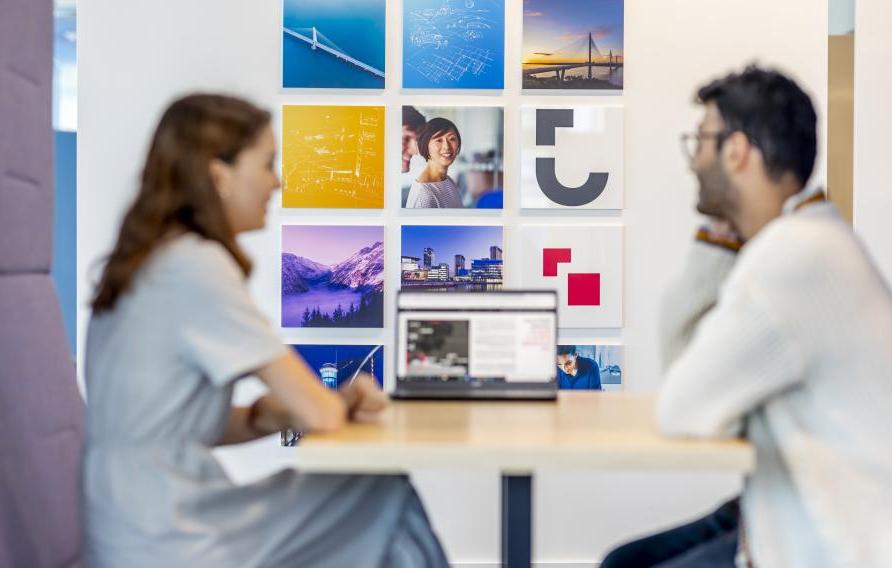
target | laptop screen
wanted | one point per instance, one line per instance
(493, 336)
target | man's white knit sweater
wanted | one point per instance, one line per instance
(797, 354)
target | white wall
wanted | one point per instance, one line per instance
(135, 56)
(872, 195)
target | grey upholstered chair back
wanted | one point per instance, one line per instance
(41, 412)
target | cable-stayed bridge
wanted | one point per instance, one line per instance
(317, 40)
(574, 55)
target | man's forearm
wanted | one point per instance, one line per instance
(707, 266)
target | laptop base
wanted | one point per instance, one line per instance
(547, 392)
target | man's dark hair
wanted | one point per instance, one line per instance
(435, 127)
(413, 119)
(775, 115)
(566, 350)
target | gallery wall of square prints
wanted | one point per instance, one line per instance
(450, 145)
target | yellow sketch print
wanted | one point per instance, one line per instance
(333, 156)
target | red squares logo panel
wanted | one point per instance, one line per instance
(584, 289)
(583, 264)
(551, 257)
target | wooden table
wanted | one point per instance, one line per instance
(582, 431)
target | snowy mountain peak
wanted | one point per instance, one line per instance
(364, 269)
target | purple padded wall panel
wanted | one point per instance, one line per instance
(41, 414)
(37, 371)
(26, 143)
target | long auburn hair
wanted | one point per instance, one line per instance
(176, 192)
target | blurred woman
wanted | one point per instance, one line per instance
(173, 328)
(439, 143)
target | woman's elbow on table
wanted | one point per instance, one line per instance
(309, 405)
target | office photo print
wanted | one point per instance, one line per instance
(333, 44)
(339, 364)
(452, 157)
(584, 264)
(453, 44)
(571, 157)
(336, 366)
(573, 44)
(332, 276)
(447, 258)
(590, 367)
(333, 157)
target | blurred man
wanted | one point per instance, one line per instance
(413, 122)
(794, 354)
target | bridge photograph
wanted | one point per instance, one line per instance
(573, 44)
(333, 44)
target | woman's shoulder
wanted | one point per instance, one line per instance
(420, 196)
(191, 254)
(448, 182)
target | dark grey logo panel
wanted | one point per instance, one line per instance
(568, 196)
(548, 120)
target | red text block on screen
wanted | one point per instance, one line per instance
(551, 257)
(584, 289)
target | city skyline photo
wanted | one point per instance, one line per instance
(426, 248)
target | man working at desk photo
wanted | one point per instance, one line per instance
(576, 372)
(784, 345)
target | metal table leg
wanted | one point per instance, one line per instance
(517, 521)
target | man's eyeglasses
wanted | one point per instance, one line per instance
(691, 142)
(567, 364)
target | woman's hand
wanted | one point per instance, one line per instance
(270, 415)
(365, 399)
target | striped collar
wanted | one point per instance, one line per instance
(726, 241)
(814, 198)
(804, 198)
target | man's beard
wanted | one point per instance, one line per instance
(717, 197)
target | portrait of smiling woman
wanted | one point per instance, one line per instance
(453, 158)
(439, 144)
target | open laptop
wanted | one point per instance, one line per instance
(487, 345)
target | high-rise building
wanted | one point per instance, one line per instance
(459, 263)
(429, 257)
(409, 263)
(486, 270)
(495, 253)
(440, 272)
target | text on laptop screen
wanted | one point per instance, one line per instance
(503, 336)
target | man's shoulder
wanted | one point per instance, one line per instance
(564, 380)
(793, 250)
(816, 235)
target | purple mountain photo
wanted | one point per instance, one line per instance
(332, 276)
